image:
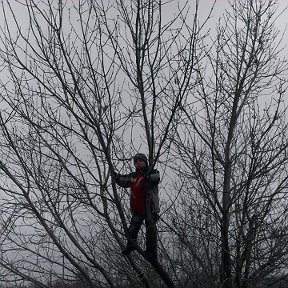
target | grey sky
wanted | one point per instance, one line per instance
(204, 9)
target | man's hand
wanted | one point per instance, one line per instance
(114, 175)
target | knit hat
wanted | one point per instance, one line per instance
(141, 156)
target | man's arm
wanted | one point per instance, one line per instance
(122, 180)
(154, 177)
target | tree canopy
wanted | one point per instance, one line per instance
(87, 84)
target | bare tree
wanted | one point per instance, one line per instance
(233, 152)
(83, 86)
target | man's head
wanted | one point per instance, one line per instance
(140, 160)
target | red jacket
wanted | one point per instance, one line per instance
(138, 192)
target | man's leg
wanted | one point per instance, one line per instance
(151, 238)
(133, 230)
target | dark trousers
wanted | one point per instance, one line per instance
(151, 231)
(135, 225)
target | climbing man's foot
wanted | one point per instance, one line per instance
(127, 250)
(129, 247)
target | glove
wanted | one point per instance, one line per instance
(115, 175)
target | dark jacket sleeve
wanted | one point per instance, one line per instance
(123, 180)
(153, 177)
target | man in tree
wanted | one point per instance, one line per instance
(144, 193)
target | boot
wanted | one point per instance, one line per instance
(129, 247)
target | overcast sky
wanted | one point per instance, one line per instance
(221, 5)
(204, 8)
